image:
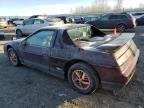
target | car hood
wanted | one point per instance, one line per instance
(15, 41)
(110, 43)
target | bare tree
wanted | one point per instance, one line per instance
(118, 6)
(98, 6)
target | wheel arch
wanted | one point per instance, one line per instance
(121, 24)
(8, 47)
(18, 29)
(74, 61)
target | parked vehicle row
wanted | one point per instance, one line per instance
(120, 21)
(134, 19)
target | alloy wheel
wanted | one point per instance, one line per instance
(81, 79)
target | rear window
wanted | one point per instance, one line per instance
(80, 32)
(84, 32)
(38, 21)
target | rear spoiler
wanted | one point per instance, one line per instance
(116, 43)
(122, 38)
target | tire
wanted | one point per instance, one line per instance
(121, 28)
(13, 57)
(19, 33)
(86, 85)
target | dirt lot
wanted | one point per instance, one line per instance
(22, 87)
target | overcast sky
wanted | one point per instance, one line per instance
(51, 7)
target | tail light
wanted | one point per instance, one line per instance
(133, 20)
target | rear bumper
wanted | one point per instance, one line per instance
(125, 77)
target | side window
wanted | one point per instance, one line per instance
(117, 17)
(38, 21)
(28, 22)
(41, 38)
(113, 17)
(105, 18)
(122, 17)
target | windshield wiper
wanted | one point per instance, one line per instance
(84, 39)
(81, 39)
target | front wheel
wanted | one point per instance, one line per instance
(13, 57)
(83, 78)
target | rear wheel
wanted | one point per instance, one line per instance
(19, 33)
(13, 57)
(83, 78)
(121, 28)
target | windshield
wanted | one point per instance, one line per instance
(78, 33)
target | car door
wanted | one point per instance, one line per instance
(113, 21)
(102, 22)
(38, 24)
(35, 50)
(27, 26)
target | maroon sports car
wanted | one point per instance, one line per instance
(86, 56)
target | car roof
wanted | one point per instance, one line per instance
(65, 26)
(35, 18)
(118, 14)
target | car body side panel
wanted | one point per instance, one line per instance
(59, 57)
(36, 57)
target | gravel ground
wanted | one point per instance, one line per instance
(22, 87)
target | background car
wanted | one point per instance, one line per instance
(120, 21)
(63, 18)
(138, 15)
(39, 16)
(31, 25)
(15, 21)
(3, 22)
(78, 20)
(87, 19)
(140, 21)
